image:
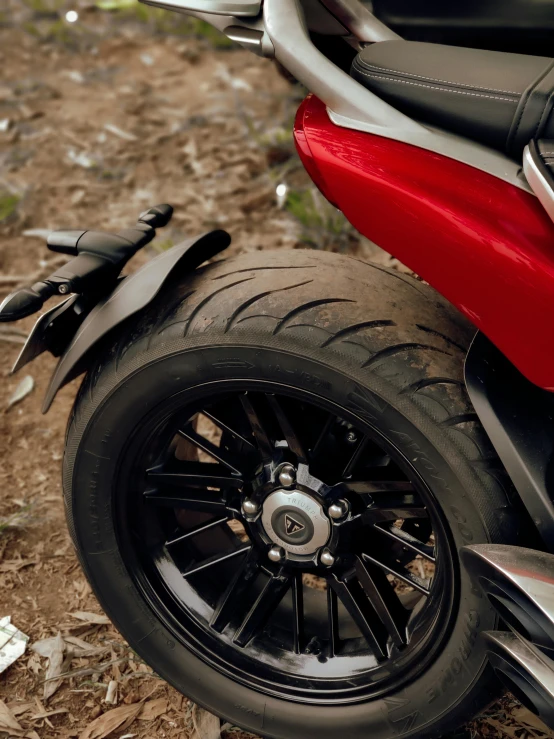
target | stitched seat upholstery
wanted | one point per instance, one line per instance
(502, 100)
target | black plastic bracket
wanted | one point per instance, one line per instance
(101, 298)
(98, 260)
(519, 419)
(75, 329)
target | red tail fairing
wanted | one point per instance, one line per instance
(484, 244)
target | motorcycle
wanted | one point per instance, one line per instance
(315, 494)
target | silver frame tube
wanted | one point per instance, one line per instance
(538, 182)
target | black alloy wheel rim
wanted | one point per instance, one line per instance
(364, 613)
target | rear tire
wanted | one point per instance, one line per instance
(382, 347)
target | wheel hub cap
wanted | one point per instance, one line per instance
(296, 521)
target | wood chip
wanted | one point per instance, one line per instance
(78, 647)
(125, 135)
(14, 565)
(7, 719)
(206, 725)
(153, 709)
(47, 714)
(55, 667)
(18, 708)
(503, 729)
(111, 693)
(117, 719)
(91, 618)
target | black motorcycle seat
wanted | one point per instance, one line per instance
(499, 99)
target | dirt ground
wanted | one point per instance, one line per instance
(97, 122)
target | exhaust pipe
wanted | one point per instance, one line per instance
(519, 583)
(525, 671)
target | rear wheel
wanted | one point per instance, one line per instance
(268, 479)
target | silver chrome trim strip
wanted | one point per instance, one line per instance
(539, 184)
(447, 144)
(520, 652)
(216, 7)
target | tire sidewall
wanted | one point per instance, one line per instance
(91, 464)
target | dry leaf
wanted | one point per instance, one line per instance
(503, 729)
(90, 618)
(55, 663)
(78, 647)
(47, 714)
(524, 716)
(118, 718)
(153, 709)
(45, 647)
(81, 644)
(14, 565)
(7, 719)
(18, 708)
(206, 725)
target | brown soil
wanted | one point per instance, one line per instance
(191, 128)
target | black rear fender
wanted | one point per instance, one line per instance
(72, 330)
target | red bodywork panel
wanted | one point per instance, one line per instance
(485, 245)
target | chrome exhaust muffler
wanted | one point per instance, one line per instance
(525, 671)
(520, 585)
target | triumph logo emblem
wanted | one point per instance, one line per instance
(292, 526)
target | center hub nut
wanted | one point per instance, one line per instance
(295, 521)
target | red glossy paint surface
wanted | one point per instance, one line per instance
(484, 244)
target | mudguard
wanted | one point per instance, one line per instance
(130, 295)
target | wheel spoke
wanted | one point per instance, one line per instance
(232, 599)
(355, 458)
(197, 530)
(333, 621)
(224, 427)
(205, 474)
(321, 446)
(267, 601)
(384, 600)
(216, 560)
(390, 501)
(407, 540)
(291, 438)
(264, 444)
(356, 603)
(196, 500)
(377, 488)
(297, 589)
(221, 455)
(395, 508)
(401, 573)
